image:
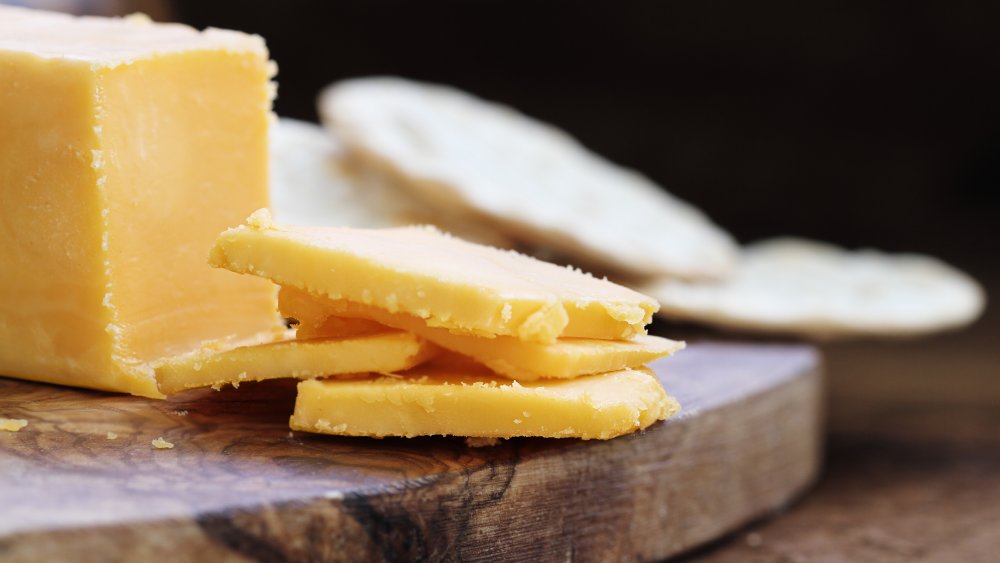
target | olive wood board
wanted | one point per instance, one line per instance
(239, 486)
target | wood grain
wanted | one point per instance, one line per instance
(239, 486)
(912, 471)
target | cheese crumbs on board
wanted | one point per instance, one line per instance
(12, 424)
(162, 444)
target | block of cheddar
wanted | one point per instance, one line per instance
(433, 400)
(125, 148)
(506, 355)
(445, 281)
(384, 352)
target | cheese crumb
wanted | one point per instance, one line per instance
(162, 444)
(260, 220)
(112, 436)
(12, 424)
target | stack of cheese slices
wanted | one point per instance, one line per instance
(410, 332)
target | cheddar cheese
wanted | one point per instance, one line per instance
(387, 351)
(433, 400)
(507, 356)
(445, 281)
(125, 148)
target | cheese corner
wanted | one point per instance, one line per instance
(126, 147)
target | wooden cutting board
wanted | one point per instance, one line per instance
(239, 486)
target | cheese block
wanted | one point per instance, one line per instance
(435, 400)
(125, 148)
(315, 322)
(446, 281)
(507, 356)
(385, 352)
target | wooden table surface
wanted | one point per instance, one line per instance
(912, 469)
(238, 486)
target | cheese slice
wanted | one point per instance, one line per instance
(125, 148)
(385, 352)
(315, 322)
(446, 281)
(338, 326)
(507, 356)
(435, 400)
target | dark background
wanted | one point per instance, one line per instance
(861, 123)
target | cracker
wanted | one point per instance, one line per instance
(532, 180)
(313, 183)
(808, 288)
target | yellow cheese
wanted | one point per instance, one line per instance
(446, 281)
(161, 444)
(314, 322)
(384, 352)
(507, 356)
(125, 148)
(337, 326)
(433, 400)
(12, 424)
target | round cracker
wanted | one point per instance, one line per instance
(808, 288)
(532, 180)
(314, 183)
